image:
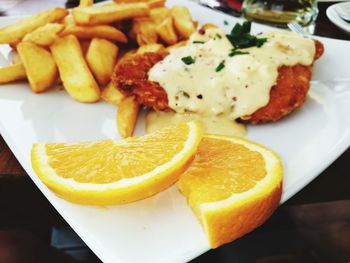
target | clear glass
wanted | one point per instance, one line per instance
(281, 12)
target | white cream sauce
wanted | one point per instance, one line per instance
(239, 89)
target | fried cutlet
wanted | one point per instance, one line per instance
(289, 92)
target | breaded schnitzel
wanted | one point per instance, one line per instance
(289, 92)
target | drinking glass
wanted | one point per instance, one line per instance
(282, 12)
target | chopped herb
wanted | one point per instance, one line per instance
(240, 36)
(198, 42)
(260, 41)
(188, 60)
(220, 66)
(186, 94)
(225, 23)
(200, 96)
(235, 52)
(218, 36)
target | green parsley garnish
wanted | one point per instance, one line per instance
(240, 36)
(198, 42)
(220, 66)
(186, 94)
(218, 36)
(235, 52)
(225, 23)
(188, 60)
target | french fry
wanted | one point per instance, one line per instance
(68, 20)
(159, 14)
(44, 35)
(183, 21)
(74, 72)
(112, 94)
(151, 3)
(155, 3)
(39, 65)
(145, 31)
(12, 73)
(101, 58)
(150, 48)
(107, 13)
(15, 32)
(178, 44)
(126, 116)
(86, 3)
(166, 31)
(101, 31)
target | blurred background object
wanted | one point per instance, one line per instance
(282, 12)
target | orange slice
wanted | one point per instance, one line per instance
(233, 186)
(114, 172)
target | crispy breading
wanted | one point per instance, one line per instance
(131, 77)
(288, 94)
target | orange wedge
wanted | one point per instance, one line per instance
(233, 186)
(115, 172)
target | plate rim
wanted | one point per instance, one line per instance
(335, 19)
(336, 151)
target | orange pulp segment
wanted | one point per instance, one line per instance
(233, 186)
(114, 172)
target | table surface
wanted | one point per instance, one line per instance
(334, 180)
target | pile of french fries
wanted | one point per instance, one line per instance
(81, 48)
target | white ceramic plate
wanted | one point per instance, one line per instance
(163, 228)
(335, 18)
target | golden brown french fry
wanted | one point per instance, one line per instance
(155, 3)
(206, 26)
(107, 13)
(183, 21)
(166, 31)
(150, 48)
(101, 31)
(39, 65)
(74, 72)
(12, 73)
(159, 14)
(101, 58)
(126, 116)
(151, 3)
(178, 44)
(145, 31)
(86, 2)
(44, 35)
(68, 20)
(112, 94)
(15, 32)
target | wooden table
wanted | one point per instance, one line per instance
(19, 196)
